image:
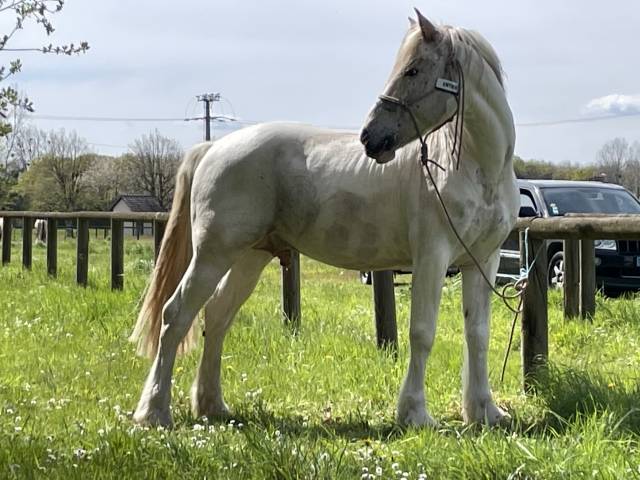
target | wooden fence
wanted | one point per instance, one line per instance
(290, 273)
(578, 233)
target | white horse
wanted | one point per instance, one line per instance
(40, 226)
(263, 190)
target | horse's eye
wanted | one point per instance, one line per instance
(411, 72)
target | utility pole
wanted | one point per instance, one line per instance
(208, 98)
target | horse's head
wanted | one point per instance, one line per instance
(424, 61)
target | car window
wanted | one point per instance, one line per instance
(562, 200)
(526, 200)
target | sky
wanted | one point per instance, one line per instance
(324, 63)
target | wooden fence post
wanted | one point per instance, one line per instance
(291, 290)
(571, 284)
(27, 242)
(82, 252)
(52, 246)
(384, 301)
(117, 254)
(587, 279)
(535, 343)
(7, 232)
(158, 233)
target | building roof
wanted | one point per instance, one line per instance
(139, 203)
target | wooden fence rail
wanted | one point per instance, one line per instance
(577, 231)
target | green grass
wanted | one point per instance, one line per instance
(316, 405)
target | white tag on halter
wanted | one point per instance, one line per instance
(447, 86)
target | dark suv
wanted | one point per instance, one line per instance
(617, 261)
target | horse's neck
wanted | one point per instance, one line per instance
(488, 133)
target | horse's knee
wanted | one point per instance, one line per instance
(422, 337)
(477, 334)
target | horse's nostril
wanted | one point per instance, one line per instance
(364, 136)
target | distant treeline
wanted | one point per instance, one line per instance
(543, 170)
(618, 161)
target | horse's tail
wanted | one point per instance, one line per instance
(173, 260)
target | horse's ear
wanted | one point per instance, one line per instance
(412, 22)
(429, 31)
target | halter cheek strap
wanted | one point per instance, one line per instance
(448, 86)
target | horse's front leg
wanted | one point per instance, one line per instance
(477, 403)
(426, 287)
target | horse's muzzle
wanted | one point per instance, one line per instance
(382, 151)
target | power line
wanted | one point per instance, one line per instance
(109, 145)
(109, 119)
(224, 118)
(41, 50)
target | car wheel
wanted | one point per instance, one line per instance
(365, 278)
(556, 270)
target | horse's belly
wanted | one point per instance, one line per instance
(355, 246)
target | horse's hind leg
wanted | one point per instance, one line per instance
(477, 403)
(197, 285)
(232, 292)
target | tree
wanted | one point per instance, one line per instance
(631, 173)
(30, 143)
(56, 180)
(541, 170)
(38, 188)
(10, 199)
(620, 163)
(15, 116)
(612, 158)
(22, 145)
(152, 164)
(24, 11)
(105, 180)
(68, 159)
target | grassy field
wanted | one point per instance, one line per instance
(318, 405)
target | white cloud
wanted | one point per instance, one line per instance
(614, 104)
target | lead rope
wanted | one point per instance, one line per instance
(511, 290)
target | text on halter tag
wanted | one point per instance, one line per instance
(447, 86)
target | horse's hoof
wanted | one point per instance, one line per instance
(210, 409)
(416, 418)
(207, 403)
(486, 413)
(495, 416)
(152, 417)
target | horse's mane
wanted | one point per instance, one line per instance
(471, 43)
(472, 40)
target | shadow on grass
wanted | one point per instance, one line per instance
(571, 395)
(353, 427)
